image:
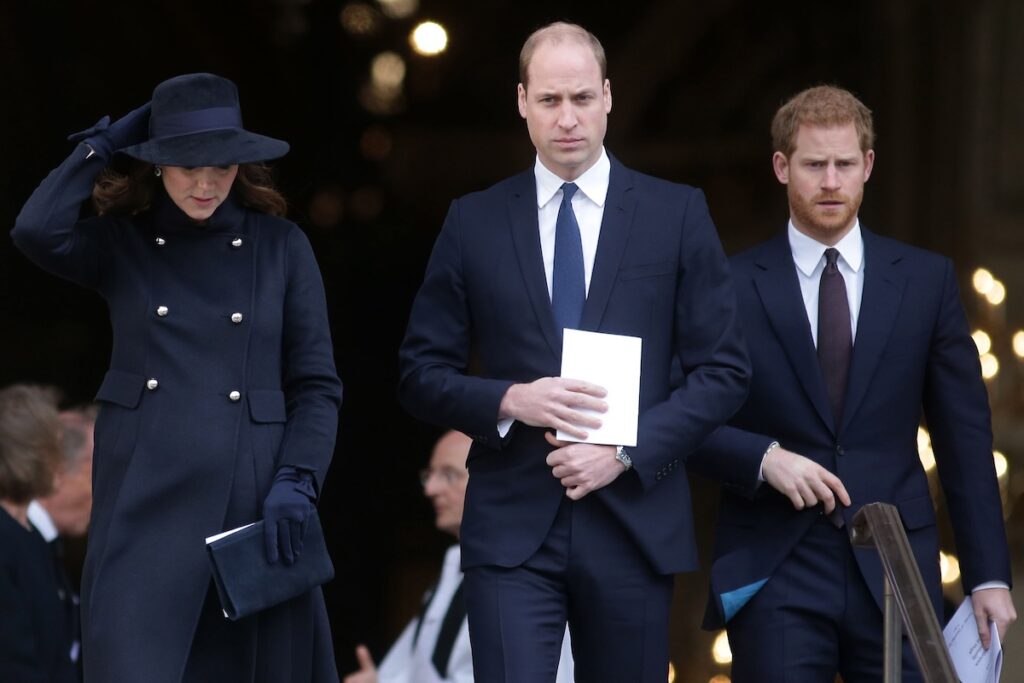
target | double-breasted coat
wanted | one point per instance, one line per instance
(221, 371)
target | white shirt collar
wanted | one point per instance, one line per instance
(593, 183)
(807, 251)
(42, 521)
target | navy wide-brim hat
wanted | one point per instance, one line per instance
(196, 121)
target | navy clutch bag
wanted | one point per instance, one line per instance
(247, 583)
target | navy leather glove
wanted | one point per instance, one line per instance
(106, 137)
(285, 511)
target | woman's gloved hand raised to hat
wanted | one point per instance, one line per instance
(106, 138)
(285, 511)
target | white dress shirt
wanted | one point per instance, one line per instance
(409, 659)
(809, 258)
(587, 204)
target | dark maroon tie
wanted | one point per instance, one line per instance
(835, 342)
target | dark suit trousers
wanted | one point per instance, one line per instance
(814, 618)
(589, 572)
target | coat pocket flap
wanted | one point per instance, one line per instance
(917, 513)
(647, 270)
(121, 388)
(267, 405)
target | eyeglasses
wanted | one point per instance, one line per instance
(448, 475)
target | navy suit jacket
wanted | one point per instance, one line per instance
(912, 350)
(659, 273)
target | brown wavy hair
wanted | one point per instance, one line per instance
(823, 105)
(30, 445)
(128, 187)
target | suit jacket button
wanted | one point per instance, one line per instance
(236, 318)
(152, 384)
(236, 243)
(161, 311)
(839, 450)
(235, 396)
(160, 241)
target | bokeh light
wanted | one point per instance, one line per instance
(388, 71)
(429, 38)
(983, 341)
(1001, 463)
(949, 567)
(399, 9)
(982, 281)
(359, 19)
(375, 143)
(1018, 343)
(720, 651)
(996, 293)
(924, 449)
(327, 208)
(989, 366)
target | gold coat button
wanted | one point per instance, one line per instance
(237, 242)
(161, 311)
(236, 318)
(152, 384)
(235, 396)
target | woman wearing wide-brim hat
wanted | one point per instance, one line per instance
(220, 405)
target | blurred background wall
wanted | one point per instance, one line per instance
(384, 136)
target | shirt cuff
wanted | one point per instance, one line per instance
(504, 426)
(990, 584)
(760, 470)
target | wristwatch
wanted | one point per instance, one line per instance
(622, 456)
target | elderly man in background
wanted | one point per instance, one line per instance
(64, 513)
(33, 642)
(434, 647)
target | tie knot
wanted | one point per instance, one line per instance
(831, 257)
(568, 190)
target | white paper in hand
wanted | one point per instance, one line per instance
(611, 361)
(973, 663)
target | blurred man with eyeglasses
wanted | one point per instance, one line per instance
(434, 647)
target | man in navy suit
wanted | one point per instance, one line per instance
(553, 531)
(851, 336)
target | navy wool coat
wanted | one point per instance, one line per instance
(221, 371)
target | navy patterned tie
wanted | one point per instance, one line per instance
(568, 283)
(835, 341)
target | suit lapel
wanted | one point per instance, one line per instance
(522, 207)
(611, 244)
(879, 305)
(777, 285)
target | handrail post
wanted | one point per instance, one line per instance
(878, 525)
(893, 653)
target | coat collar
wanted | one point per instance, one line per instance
(166, 215)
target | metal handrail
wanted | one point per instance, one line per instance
(878, 525)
